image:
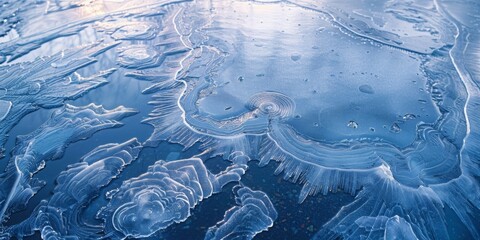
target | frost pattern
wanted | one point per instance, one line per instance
(252, 80)
(162, 196)
(48, 142)
(62, 216)
(255, 213)
(47, 83)
(11, 14)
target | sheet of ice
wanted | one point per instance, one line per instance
(11, 14)
(48, 142)
(47, 82)
(374, 98)
(62, 216)
(129, 30)
(312, 121)
(255, 213)
(163, 195)
(5, 107)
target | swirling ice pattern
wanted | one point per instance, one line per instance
(254, 214)
(295, 81)
(47, 83)
(138, 57)
(62, 216)
(275, 105)
(48, 142)
(162, 196)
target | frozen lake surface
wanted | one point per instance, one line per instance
(240, 119)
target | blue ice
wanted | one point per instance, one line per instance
(374, 99)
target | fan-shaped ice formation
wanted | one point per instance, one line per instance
(46, 83)
(48, 142)
(389, 228)
(161, 196)
(255, 213)
(62, 216)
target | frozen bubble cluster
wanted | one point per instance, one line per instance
(368, 109)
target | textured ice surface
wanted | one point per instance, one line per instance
(46, 83)
(162, 196)
(48, 142)
(63, 216)
(371, 98)
(255, 213)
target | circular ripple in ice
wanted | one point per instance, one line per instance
(162, 196)
(138, 57)
(274, 104)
